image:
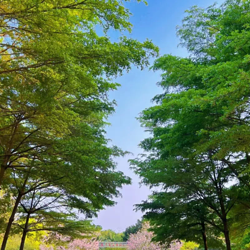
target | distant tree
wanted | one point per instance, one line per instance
(86, 244)
(132, 230)
(67, 243)
(143, 240)
(109, 235)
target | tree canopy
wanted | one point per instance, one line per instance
(57, 66)
(132, 229)
(199, 149)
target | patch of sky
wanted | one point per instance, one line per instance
(157, 22)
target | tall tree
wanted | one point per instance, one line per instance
(85, 182)
(200, 125)
(56, 72)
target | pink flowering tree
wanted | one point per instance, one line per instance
(83, 244)
(176, 246)
(76, 244)
(142, 240)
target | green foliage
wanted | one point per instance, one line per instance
(109, 235)
(198, 153)
(32, 243)
(174, 218)
(132, 230)
(189, 246)
(65, 74)
(56, 72)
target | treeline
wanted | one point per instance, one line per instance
(198, 158)
(56, 71)
(111, 236)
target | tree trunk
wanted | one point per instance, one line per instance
(4, 166)
(226, 233)
(219, 190)
(25, 230)
(8, 151)
(11, 219)
(204, 236)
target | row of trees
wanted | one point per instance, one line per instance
(198, 155)
(56, 71)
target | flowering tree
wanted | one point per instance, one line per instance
(83, 244)
(142, 241)
(176, 246)
(77, 244)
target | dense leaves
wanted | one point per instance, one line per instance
(199, 149)
(57, 66)
(110, 236)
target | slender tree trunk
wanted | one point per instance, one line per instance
(11, 219)
(219, 190)
(25, 230)
(204, 236)
(225, 225)
(8, 151)
(226, 233)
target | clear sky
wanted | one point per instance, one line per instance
(158, 22)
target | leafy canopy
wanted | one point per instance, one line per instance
(199, 148)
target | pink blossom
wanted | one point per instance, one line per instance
(142, 241)
(175, 245)
(43, 247)
(77, 244)
(83, 244)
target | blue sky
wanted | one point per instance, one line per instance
(158, 22)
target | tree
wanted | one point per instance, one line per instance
(175, 218)
(143, 240)
(47, 210)
(87, 244)
(200, 124)
(90, 182)
(47, 86)
(55, 75)
(240, 226)
(109, 235)
(132, 230)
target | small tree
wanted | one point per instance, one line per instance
(142, 240)
(86, 244)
